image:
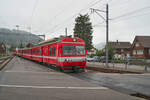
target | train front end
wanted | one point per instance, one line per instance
(73, 54)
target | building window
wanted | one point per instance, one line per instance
(128, 55)
(134, 52)
(139, 52)
(36, 51)
(137, 44)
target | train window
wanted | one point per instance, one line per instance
(80, 50)
(36, 51)
(54, 51)
(69, 50)
(50, 51)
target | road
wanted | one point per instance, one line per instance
(25, 80)
(126, 83)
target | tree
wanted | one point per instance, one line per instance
(100, 53)
(111, 52)
(83, 29)
(13, 47)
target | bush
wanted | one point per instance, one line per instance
(118, 61)
(92, 55)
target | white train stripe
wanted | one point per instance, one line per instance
(60, 59)
(53, 87)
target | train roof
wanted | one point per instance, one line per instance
(61, 38)
(49, 41)
(57, 39)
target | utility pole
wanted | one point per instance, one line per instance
(107, 28)
(107, 33)
(66, 31)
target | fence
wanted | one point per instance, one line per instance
(135, 65)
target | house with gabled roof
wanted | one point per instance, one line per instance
(122, 49)
(141, 47)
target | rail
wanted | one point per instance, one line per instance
(4, 61)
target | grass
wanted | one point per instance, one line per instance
(4, 56)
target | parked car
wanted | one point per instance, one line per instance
(103, 59)
(96, 59)
(89, 59)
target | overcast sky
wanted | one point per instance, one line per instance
(50, 17)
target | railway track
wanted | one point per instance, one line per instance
(4, 61)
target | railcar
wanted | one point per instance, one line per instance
(19, 52)
(65, 53)
(26, 53)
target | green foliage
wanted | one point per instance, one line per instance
(100, 53)
(111, 52)
(83, 29)
(118, 61)
(12, 48)
(92, 55)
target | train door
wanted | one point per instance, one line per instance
(59, 54)
(42, 54)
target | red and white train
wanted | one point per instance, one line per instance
(65, 53)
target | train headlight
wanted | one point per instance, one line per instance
(68, 60)
(74, 40)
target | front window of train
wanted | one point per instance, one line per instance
(74, 50)
(69, 50)
(80, 50)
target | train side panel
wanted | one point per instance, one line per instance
(37, 54)
(26, 53)
(50, 54)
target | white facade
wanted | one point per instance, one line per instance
(139, 52)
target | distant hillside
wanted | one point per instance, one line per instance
(16, 37)
(100, 46)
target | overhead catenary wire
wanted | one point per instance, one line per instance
(131, 17)
(90, 5)
(119, 3)
(131, 13)
(95, 10)
(81, 11)
(60, 12)
(63, 23)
